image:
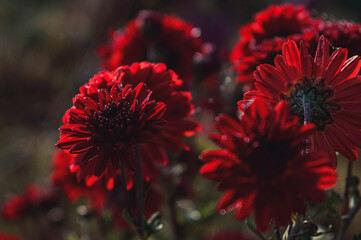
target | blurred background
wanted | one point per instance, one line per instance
(48, 50)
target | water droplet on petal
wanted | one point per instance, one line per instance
(196, 32)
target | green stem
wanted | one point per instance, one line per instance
(123, 185)
(353, 212)
(345, 206)
(348, 220)
(140, 193)
(346, 196)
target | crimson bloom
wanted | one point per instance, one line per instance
(13, 208)
(262, 39)
(32, 200)
(340, 34)
(107, 130)
(154, 37)
(261, 167)
(329, 85)
(138, 105)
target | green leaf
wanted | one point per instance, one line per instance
(128, 217)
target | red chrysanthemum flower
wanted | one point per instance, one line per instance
(261, 167)
(13, 208)
(154, 37)
(33, 199)
(330, 85)
(340, 34)
(281, 21)
(4, 236)
(262, 39)
(108, 130)
(138, 105)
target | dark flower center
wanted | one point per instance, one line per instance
(115, 123)
(268, 159)
(314, 97)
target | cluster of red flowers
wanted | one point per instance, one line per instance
(265, 162)
(136, 111)
(262, 39)
(277, 156)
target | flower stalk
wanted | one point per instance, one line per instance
(140, 194)
(345, 205)
(346, 197)
(352, 214)
(123, 184)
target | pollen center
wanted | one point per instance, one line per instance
(115, 123)
(314, 96)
